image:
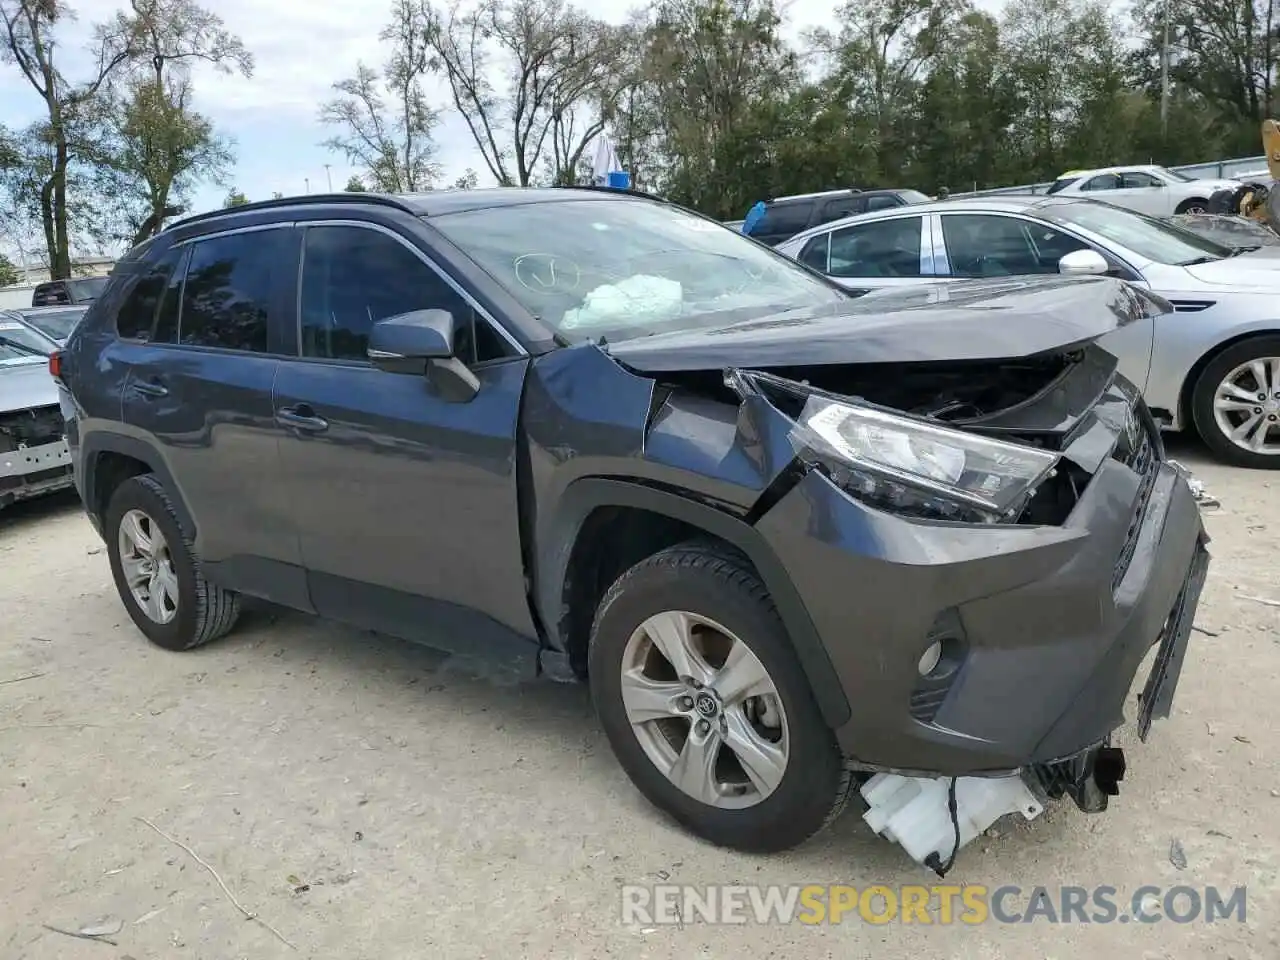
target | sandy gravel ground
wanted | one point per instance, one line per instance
(372, 799)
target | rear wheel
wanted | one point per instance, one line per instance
(156, 572)
(1236, 403)
(706, 706)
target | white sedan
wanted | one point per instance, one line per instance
(1213, 365)
(1158, 191)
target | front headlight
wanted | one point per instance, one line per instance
(913, 466)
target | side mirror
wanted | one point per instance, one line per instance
(1084, 263)
(422, 342)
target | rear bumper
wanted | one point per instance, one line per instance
(1043, 636)
(32, 471)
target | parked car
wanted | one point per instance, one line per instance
(59, 292)
(1213, 366)
(34, 459)
(786, 216)
(790, 537)
(1153, 190)
(54, 323)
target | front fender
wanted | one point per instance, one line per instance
(1184, 342)
(586, 495)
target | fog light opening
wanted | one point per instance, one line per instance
(929, 659)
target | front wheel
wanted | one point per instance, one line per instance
(1236, 404)
(706, 706)
(1194, 205)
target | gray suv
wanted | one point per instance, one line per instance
(795, 541)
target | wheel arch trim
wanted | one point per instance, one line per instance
(586, 495)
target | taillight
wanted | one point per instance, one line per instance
(55, 364)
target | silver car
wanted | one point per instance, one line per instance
(34, 458)
(1213, 365)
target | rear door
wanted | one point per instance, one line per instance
(199, 391)
(406, 503)
(892, 252)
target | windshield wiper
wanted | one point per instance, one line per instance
(1239, 250)
(21, 347)
(1198, 260)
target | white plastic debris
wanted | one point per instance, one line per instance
(1203, 497)
(914, 813)
(638, 299)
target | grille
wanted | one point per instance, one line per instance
(1137, 451)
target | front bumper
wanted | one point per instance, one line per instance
(32, 471)
(1046, 626)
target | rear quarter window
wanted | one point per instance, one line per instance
(785, 219)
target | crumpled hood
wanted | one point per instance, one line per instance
(964, 320)
(25, 385)
(1257, 268)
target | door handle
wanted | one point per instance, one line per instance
(151, 388)
(301, 417)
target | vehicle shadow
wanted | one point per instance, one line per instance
(551, 716)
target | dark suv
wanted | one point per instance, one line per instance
(786, 216)
(790, 537)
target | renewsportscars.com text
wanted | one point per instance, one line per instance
(921, 904)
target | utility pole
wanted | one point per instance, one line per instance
(307, 181)
(328, 177)
(1164, 76)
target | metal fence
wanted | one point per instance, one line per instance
(1215, 170)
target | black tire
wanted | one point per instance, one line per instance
(1202, 402)
(705, 579)
(205, 611)
(1193, 205)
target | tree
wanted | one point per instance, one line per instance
(9, 274)
(355, 185)
(163, 146)
(468, 181)
(234, 198)
(68, 133)
(553, 62)
(384, 119)
(277, 195)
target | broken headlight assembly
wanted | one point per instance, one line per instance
(910, 466)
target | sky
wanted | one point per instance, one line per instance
(301, 48)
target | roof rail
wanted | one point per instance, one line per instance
(382, 199)
(629, 191)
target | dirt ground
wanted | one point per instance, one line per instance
(372, 799)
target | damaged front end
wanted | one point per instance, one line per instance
(34, 458)
(999, 494)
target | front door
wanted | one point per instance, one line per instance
(199, 387)
(405, 503)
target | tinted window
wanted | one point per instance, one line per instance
(227, 295)
(1107, 181)
(883, 202)
(814, 253)
(785, 219)
(987, 246)
(841, 207)
(48, 294)
(353, 277)
(166, 328)
(1061, 184)
(887, 248)
(137, 315)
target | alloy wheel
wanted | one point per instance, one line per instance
(1246, 406)
(148, 566)
(705, 710)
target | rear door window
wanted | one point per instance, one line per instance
(842, 207)
(1105, 181)
(885, 248)
(884, 201)
(228, 295)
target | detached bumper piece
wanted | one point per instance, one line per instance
(1156, 698)
(27, 472)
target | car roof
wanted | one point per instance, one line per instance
(433, 203)
(841, 192)
(1025, 203)
(1124, 168)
